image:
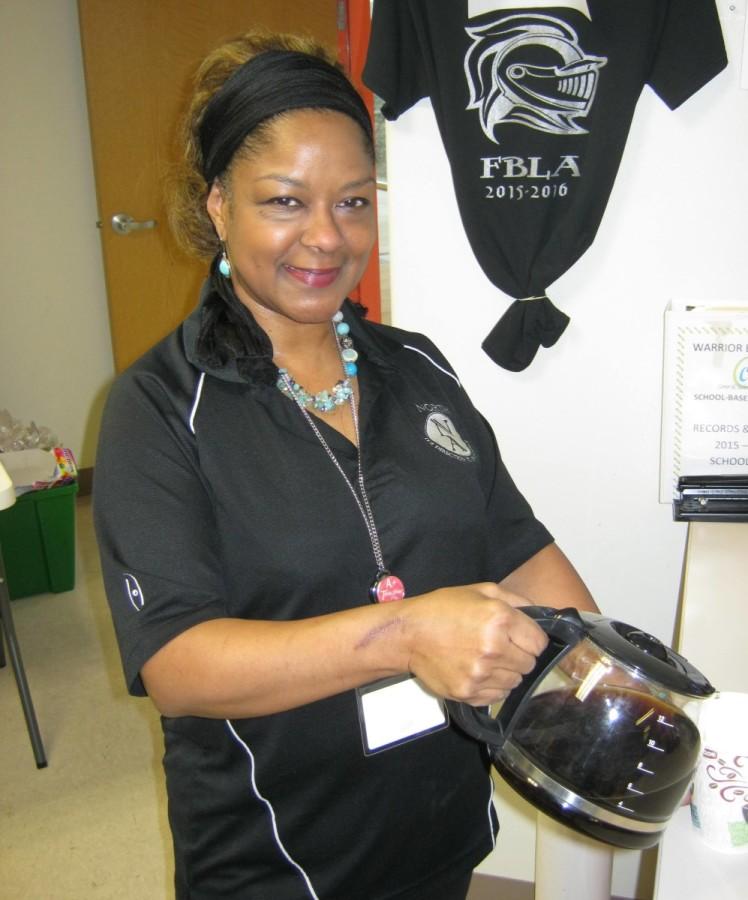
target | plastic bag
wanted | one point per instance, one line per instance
(14, 435)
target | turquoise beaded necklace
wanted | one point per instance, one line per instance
(341, 391)
(385, 587)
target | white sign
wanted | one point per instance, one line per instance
(479, 7)
(705, 394)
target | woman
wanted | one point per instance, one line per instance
(266, 472)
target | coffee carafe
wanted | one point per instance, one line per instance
(599, 735)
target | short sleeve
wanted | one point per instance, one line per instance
(691, 50)
(153, 519)
(394, 67)
(515, 534)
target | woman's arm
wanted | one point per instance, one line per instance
(468, 643)
(549, 579)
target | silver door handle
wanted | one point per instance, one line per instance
(124, 224)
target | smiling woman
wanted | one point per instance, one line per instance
(272, 477)
(296, 219)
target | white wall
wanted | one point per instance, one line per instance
(55, 351)
(580, 429)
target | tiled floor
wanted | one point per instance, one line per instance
(92, 824)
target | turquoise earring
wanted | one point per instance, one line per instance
(224, 266)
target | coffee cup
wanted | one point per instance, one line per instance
(719, 801)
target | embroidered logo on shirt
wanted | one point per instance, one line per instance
(530, 70)
(441, 433)
(134, 592)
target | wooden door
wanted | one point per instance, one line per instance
(139, 56)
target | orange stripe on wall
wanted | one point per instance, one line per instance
(354, 27)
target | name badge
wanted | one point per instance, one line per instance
(396, 710)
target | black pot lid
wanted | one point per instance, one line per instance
(646, 655)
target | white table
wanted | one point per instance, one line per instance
(713, 635)
(687, 869)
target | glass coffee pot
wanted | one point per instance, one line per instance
(599, 735)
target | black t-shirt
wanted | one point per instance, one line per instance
(214, 498)
(534, 106)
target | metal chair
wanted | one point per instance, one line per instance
(8, 631)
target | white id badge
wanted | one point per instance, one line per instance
(395, 710)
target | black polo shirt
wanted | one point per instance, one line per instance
(214, 498)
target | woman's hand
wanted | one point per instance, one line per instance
(470, 643)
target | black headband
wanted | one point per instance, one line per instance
(273, 82)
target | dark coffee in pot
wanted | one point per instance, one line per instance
(626, 751)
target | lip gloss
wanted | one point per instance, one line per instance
(316, 278)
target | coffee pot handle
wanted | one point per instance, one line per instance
(565, 625)
(565, 628)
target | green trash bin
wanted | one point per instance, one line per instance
(37, 536)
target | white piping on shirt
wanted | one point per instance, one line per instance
(198, 394)
(491, 809)
(199, 391)
(270, 809)
(433, 363)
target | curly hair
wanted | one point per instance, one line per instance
(192, 179)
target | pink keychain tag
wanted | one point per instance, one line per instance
(386, 588)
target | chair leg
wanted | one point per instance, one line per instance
(14, 651)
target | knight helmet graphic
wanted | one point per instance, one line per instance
(530, 70)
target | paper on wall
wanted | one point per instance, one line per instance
(705, 393)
